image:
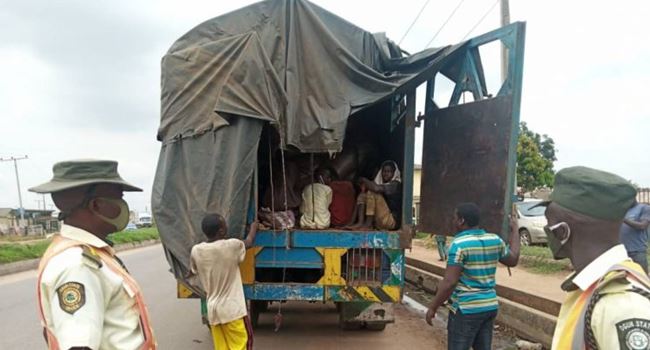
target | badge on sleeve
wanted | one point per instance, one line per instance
(71, 296)
(633, 334)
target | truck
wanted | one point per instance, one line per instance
(254, 100)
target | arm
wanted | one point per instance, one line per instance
(637, 225)
(371, 185)
(643, 222)
(512, 258)
(250, 238)
(76, 305)
(445, 289)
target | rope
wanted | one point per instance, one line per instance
(278, 316)
(445, 23)
(313, 197)
(590, 338)
(413, 23)
(480, 20)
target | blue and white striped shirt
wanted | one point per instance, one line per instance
(478, 253)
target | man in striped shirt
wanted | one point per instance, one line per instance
(469, 280)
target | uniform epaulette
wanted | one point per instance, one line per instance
(91, 257)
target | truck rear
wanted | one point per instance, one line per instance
(254, 101)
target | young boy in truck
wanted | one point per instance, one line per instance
(216, 263)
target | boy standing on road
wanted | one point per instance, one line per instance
(216, 262)
(470, 279)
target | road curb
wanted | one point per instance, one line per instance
(26, 265)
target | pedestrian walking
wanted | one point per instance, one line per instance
(86, 297)
(634, 233)
(441, 243)
(608, 296)
(468, 285)
(216, 263)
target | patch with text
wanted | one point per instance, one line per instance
(72, 296)
(633, 334)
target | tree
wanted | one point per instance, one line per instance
(535, 157)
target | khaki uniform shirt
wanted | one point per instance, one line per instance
(100, 311)
(620, 319)
(217, 265)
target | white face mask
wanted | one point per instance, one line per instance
(121, 220)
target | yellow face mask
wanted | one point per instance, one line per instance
(122, 219)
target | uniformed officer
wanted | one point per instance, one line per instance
(87, 299)
(608, 300)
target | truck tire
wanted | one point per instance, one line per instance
(257, 307)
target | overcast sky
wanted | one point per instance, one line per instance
(81, 79)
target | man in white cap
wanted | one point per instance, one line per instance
(86, 297)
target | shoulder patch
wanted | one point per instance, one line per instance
(72, 296)
(633, 334)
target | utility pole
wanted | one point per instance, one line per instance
(20, 196)
(505, 20)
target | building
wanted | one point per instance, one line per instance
(37, 222)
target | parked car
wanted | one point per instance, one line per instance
(144, 220)
(531, 222)
(130, 227)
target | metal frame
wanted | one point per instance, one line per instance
(471, 79)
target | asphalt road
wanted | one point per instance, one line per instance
(177, 322)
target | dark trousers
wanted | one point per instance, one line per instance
(470, 330)
(640, 258)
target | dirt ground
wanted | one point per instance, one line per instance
(315, 326)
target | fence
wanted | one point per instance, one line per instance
(643, 195)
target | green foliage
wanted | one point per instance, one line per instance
(535, 157)
(139, 235)
(12, 252)
(16, 251)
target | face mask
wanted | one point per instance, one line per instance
(122, 219)
(558, 235)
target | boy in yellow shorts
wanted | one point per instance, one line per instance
(216, 262)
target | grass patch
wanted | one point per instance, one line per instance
(544, 267)
(421, 235)
(12, 252)
(16, 252)
(537, 251)
(139, 235)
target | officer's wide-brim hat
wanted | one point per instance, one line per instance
(83, 172)
(592, 192)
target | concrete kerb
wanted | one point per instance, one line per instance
(26, 265)
(527, 322)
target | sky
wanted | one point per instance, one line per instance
(81, 79)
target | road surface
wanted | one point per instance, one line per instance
(177, 323)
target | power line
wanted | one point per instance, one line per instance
(480, 20)
(445, 23)
(413, 23)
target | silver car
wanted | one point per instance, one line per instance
(531, 222)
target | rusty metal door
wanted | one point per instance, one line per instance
(465, 158)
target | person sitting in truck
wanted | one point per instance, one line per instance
(316, 199)
(344, 200)
(380, 201)
(216, 263)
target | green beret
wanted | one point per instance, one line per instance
(592, 192)
(83, 172)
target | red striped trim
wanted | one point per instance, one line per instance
(249, 331)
